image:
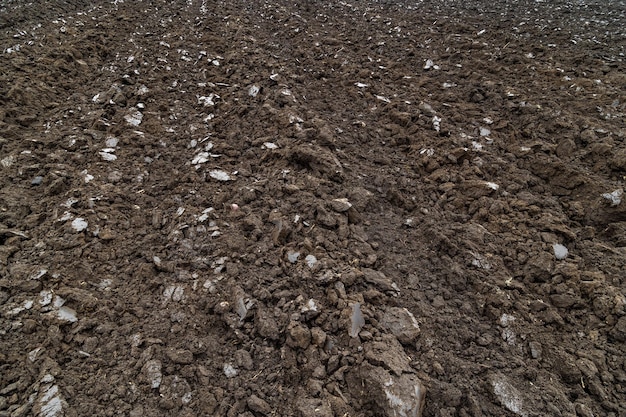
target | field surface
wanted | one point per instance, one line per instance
(313, 208)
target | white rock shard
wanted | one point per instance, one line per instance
(253, 91)
(560, 251)
(219, 175)
(134, 118)
(67, 314)
(508, 396)
(615, 197)
(79, 224)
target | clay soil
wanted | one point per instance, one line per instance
(282, 208)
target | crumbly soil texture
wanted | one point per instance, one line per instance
(314, 208)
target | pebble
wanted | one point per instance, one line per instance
(37, 181)
(67, 314)
(508, 395)
(79, 224)
(615, 197)
(340, 205)
(219, 175)
(401, 323)
(560, 251)
(293, 257)
(311, 260)
(152, 372)
(230, 371)
(253, 91)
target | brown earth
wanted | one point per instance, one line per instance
(284, 208)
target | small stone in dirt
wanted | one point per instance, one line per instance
(270, 145)
(230, 371)
(67, 314)
(340, 204)
(152, 372)
(111, 142)
(37, 180)
(259, 405)
(219, 175)
(615, 197)
(560, 251)
(401, 323)
(357, 321)
(430, 64)
(107, 156)
(201, 158)
(508, 395)
(387, 395)
(253, 91)
(49, 403)
(293, 257)
(79, 224)
(134, 118)
(311, 260)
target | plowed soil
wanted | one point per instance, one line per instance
(315, 208)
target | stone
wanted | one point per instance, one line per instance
(376, 390)
(401, 323)
(508, 395)
(340, 205)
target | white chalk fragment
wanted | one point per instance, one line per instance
(79, 224)
(229, 370)
(430, 64)
(270, 145)
(437, 123)
(201, 158)
(253, 91)
(219, 175)
(492, 185)
(509, 396)
(615, 197)
(67, 314)
(134, 118)
(209, 100)
(560, 251)
(107, 156)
